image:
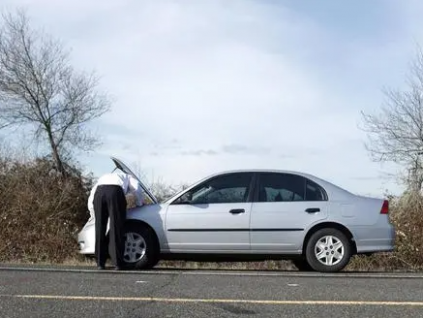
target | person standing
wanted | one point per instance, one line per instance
(107, 200)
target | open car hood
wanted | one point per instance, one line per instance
(121, 166)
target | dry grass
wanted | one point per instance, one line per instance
(40, 214)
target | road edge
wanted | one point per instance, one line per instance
(88, 270)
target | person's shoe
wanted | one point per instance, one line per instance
(101, 267)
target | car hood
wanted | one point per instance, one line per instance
(123, 167)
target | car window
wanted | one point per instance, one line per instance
(281, 187)
(314, 192)
(228, 188)
(285, 187)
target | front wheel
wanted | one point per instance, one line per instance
(328, 250)
(141, 247)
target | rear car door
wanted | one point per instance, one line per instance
(285, 206)
(212, 216)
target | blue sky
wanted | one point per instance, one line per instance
(203, 86)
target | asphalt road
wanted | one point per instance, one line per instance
(90, 293)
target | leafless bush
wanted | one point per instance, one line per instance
(40, 212)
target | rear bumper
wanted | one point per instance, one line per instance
(370, 239)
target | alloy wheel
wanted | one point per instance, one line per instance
(135, 247)
(329, 250)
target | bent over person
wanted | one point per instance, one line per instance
(108, 200)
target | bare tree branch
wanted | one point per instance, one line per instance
(38, 86)
(396, 132)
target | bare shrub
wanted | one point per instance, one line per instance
(40, 212)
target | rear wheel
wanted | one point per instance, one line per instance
(141, 247)
(328, 250)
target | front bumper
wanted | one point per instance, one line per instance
(86, 240)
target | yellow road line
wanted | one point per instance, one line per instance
(240, 301)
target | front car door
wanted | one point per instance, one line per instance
(212, 216)
(285, 206)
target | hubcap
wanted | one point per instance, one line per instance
(329, 250)
(135, 247)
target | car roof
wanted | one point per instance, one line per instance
(259, 170)
(254, 170)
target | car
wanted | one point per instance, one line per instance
(253, 215)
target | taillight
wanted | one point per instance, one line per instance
(385, 207)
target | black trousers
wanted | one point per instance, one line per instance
(109, 202)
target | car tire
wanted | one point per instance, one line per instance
(328, 243)
(137, 238)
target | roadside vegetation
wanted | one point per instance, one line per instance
(43, 194)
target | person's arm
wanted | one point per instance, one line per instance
(136, 190)
(90, 203)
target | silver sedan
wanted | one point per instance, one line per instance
(254, 215)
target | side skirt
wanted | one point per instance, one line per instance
(222, 257)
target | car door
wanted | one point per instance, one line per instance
(212, 216)
(285, 205)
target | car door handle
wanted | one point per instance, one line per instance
(236, 211)
(312, 210)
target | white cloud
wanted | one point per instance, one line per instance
(205, 86)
